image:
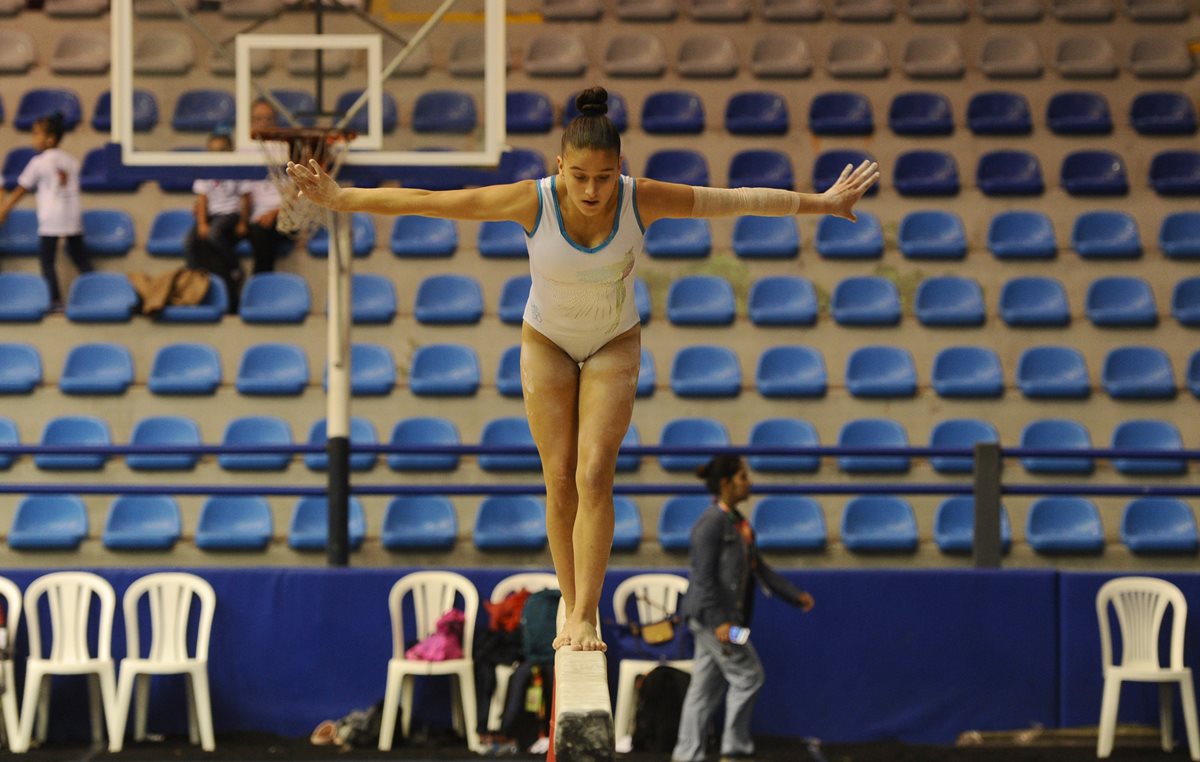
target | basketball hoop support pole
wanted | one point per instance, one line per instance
(337, 413)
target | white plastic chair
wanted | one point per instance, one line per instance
(433, 594)
(170, 595)
(8, 700)
(533, 582)
(657, 596)
(1141, 603)
(70, 597)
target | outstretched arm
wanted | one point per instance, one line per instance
(6, 204)
(515, 201)
(657, 200)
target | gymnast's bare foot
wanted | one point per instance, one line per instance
(582, 636)
(562, 639)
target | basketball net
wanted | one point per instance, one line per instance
(297, 215)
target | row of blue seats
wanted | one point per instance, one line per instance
(517, 523)
(1133, 372)
(422, 433)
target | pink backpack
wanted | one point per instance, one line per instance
(445, 643)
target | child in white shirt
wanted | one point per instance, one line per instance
(222, 208)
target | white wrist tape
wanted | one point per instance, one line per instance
(736, 202)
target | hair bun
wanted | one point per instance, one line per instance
(592, 102)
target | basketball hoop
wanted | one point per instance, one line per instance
(327, 145)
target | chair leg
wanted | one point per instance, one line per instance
(142, 707)
(193, 735)
(623, 717)
(43, 715)
(107, 678)
(1187, 701)
(1108, 716)
(29, 709)
(1166, 716)
(466, 691)
(96, 705)
(121, 714)
(203, 703)
(391, 700)
(406, 703)
(496, 709)
(456, 707)
(8, 701)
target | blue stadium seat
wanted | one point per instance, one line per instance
(761, 169)
(1163, 113)
(48, 522)
(881, 371)
(627, 525)
(1094, 173)
(1121, 301)
(673, 112)
(788, 372)
(865, 300)
(19, 234)
(202, 111)
(706, 371)
(1021, 234)
(678, 166)
(169, 231)
(1185, 301)
(185, 368)
(301, 103)
(1034, 301)
(211, 308)
(785, 523)
(879, 523)
(441, 370)
(80, 430)
(679, 239)
(502, 239)
(40, 102)
(700, 300)
(107, 232)
(829, 165)
(873, 432)
(954, 526)
(960, 433)
(510, 522)
(1079, 113)
(1009, 173)
(362, 237)
(101, 297)
(675, 521)
(273, 369)
(527, 112)
(508, 432)
(230, 522)
(756, 113)
(519, 164)
(449, 300)
(508, 373)
(94, 176)
(641, 300)
(1144, 434)
(424, 432)
(142, 522)
(921, 113)
(1178, 236)
(20, 368)
(949, 300)
(1138, 373)
(647, 375)
(782, 300)
(14, 163)
(391, 115)
(784, 432)
(618, 110)
(690, 432)
(925, 173)
(372, 299)
(444, 111)
(1175, 173)
(627, 464)
(372, 370)
(766, 237)
(24, 297)
(168, 432)
(969, 372)
(1193, 374)
(419, 522)
(513, 297)
(309, 528)
(256, 431)
(98, 368)
(1159, 525)
(841, 239)
(999, 113)
(932, 234)
(8, 436)
(1064, 525)
(840, 113)
(1049, 372)
(1056, 434)
(415, 236)
(275, 297)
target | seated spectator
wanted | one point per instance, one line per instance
(222, 208)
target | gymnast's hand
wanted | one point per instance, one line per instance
(849, 188)
(315, 184)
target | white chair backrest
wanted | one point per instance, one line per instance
(531, 581)
(657, 596)
(70, 597)
(1141, 603)
(12, 608)
(171, 595)
(433, 594)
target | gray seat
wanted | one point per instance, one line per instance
(76, 8)
(707, 55)
(1010, 10)
(250, 9)
(863, 10)
(166, 51)
(646, 10)
(149, 9)
(466, 56)
(556, 55)
(780, 55)
(1086, 56)
(933, 57)
(718, 10)
(635, 54)
(260, 62)
(1157, 10)
(81, 53)
(858, 55)
(1082, 10)
(303, 63)
(1010, 55)
(792, 10)
(1160, 57)
(416, 64)
(937, 10)
(572, 10)
(17, 51)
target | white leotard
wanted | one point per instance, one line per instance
(582, 298)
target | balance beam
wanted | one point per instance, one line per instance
(581, 729)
